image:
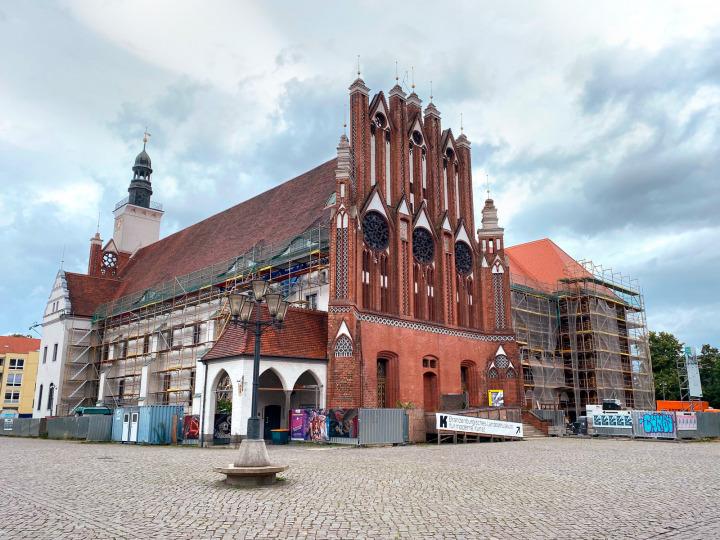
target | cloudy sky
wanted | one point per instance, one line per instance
(598, 123)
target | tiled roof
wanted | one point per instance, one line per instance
(303, 335)
(274, 216)
(17, 344)
(540, 264)
(88, 292)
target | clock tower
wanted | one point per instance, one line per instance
(137, 219)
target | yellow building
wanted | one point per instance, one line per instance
(18, 368)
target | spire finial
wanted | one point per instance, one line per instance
(358, 62)
(397, 77)
(97, 231)
(345, 119)
(412, 68)
(62, 258)
(461, 124)
(431, 92)
(146, 137)
(487, 184)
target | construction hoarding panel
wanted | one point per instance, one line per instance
(618, 423)
(686, 421)
(480, 426)
(654, 424)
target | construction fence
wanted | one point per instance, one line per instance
(656, 424)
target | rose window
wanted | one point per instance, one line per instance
(463, 258)
(375, 231)
(423, 245)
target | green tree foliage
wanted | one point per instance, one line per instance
(709, 360)
(665, 350)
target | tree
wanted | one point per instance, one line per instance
(709, 360)
(665, 349)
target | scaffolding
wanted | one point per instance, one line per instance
(144, 347)
(582, 340)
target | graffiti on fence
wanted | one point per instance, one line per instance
(658, 423)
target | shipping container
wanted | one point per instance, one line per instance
(160, 424)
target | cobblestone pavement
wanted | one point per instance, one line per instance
(542, 488)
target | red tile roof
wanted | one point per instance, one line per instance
(17, 344)
(274, 216)
(303, 335)
(88, 292)
(540, 264)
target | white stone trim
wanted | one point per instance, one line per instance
(377, 204)
(423, 221)
(463, 235)
(397, 323)
(343, 331)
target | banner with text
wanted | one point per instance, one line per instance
(482, 426)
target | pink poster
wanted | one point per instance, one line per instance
(298, 424)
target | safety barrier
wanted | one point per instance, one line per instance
(23, 427)
(656, 424)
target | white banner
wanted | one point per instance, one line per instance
(470, 424)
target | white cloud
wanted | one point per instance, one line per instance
(241, 95)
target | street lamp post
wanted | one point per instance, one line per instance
(245, 310)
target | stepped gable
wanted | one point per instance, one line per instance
(540, 264)
(275, 216)
(303, 335)
(89, 292)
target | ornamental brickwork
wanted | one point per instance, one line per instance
(419, 305)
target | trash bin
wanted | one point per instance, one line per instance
(280, 436)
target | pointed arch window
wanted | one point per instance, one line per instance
(343, 347)
(431, 293)
(51, 397)
(384, 294)
(493, 373)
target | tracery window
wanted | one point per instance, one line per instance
(375, 231)
(343, 347)
(501, 361)
(492, 373)
(463, 258)
(423, 245)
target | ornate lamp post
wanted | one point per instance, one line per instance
(252, 465)
(245, 310)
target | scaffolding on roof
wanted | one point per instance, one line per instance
(582, 340)
(166, 329)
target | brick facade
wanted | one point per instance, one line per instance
(425, 323)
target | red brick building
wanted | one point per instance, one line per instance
(380, 241)
(419, 307)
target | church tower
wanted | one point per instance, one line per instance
(137, 219)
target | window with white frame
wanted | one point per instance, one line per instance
(311, 300)
(12, 397)
(17, 363)
(14, 379)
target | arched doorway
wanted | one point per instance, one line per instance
(271, 401)
(430, 398)
(223, 409)
(306, 392)
(469, 383)
(382, 371)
